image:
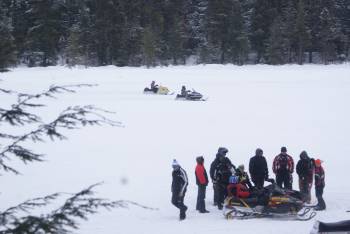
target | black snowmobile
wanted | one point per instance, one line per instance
(342, 227)
(270, 202)
(190, 96)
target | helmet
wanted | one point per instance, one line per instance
(283, 149)
(241, 168)
(233, 179)
(222, 150)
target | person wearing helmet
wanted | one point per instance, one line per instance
(184, 91)
(319, 185)
(236, 188)
(305, 170)
(243, 176)
(258, 169)
(154, 86)
(220, 171)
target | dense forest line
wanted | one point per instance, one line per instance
(163, 32)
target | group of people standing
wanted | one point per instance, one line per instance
(225, 176)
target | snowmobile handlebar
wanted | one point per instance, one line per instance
(272, 181)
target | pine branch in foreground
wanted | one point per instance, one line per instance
(62, 220)
(18, 115)
(71, 118)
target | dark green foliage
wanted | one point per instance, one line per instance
(263, 15)
(276, 50)
(302, 35)
(153, 32)
(20, 219)
(21, 113)
(17, 219)
(45, 31)
(7, 45)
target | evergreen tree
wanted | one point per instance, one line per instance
(74, 52)
(195, 23)
(46, 30)
(152, 25)
(343, 17)
(301, 33)
(263, 15)
(7, 46)
(174, 32)
(289, 21)
(149, 48)
(153, 32)
(328, 35)
(276, 52)
(238, 33)
(20, 26)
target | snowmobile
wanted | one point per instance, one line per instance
(270, 202)
(191, 96)
(342, 227)
(162, 90)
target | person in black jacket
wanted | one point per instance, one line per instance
(212, 172)
(305, 172)
(220, 171)
(178, 188)
(258, 169)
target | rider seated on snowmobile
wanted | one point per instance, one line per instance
(154, 87)
(184, 92)
(236, 188)
(243, 176)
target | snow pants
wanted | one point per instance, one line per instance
(319, 194)
(215, 188)
(284, 180)
(258, 181)
(200, 198)
(222, 193)
(179, 203)
(305, 189)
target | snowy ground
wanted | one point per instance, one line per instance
(301, 107)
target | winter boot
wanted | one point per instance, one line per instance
(204, 211)
(183, 212)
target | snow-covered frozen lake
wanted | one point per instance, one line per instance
(300, 107)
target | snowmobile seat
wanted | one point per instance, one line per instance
(250, 201)
(342, 226)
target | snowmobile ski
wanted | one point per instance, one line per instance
(304, 215)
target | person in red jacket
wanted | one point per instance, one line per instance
(319, 184)
(202, 182)
(236, 188)
(283, 167)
